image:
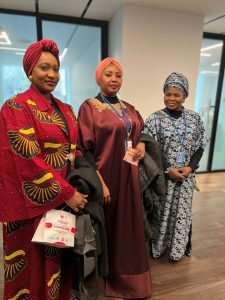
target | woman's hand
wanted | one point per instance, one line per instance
(139, 151)
(185, 171)
(77, 201)
(106, 192)
(175, 174)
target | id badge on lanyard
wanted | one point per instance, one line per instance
(180, 159)
(128, 144)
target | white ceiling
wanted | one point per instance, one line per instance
(212, 10)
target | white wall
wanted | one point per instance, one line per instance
(154, 43)
(116, 35)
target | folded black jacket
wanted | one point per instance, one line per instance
(85, 179)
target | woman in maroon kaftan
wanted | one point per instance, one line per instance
(37, 133)
(103, 134)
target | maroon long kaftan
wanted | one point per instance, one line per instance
(104, 134)
(34, 144)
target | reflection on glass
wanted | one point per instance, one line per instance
(80, 51)
(16, 32)
(15, 80)
(218, 162)
(207, 87)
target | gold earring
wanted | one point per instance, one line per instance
(30, 77)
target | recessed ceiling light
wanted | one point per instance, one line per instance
(63, 54)
(4, 39)
(209, 72)
(12, 49)
(205, 54)
(212, 47)
(215, 64)
(19, 53)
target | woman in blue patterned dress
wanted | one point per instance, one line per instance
(181, 137)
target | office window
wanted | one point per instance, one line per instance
(16, 33)
(80, 52)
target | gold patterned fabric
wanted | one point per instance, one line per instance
(23, 294)
(104, 106)
(12, 226)
(42, 190)
(14, 263)
(12, 103)
(56, 154)
(51, 251)
(54, 284)
(24, 142)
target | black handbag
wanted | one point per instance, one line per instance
(85, 236)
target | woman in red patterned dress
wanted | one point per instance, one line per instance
(38, 132)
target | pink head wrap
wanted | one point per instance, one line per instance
(34, 52)
(103, 64)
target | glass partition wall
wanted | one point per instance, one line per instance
(210, 100)
(80, 49)
(218, 158)
(82, 44)
(16, 33)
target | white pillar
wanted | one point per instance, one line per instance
(151, 44)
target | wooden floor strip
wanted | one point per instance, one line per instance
(201, 276)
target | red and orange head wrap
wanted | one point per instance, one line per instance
(103, 64)
(34, 52)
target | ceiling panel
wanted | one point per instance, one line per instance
(72, 8)
(216, 26)
(105, 9)
(26, 5)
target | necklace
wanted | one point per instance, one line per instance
(124, 117)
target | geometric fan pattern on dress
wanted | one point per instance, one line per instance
(42, 190)
(54, 284)
(54, 118)
(13, 104)
(56, 154)
(23, 294)
(12, 226)
(24, 142)
(42, 116)
(51, 251)
(57, 120)
(14, 263)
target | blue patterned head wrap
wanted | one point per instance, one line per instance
(177, 80)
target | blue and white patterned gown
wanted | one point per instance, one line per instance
(175, 211)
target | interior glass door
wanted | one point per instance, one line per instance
(208, 76)
(218, 162)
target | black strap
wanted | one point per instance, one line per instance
(83, 291)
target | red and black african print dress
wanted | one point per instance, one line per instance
(34, 143)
